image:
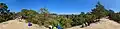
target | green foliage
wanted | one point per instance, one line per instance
(64, 21)
(5, 15)
(31, 14)
(40, 19)
(114, 16)
(28, 12)
(79, 20)
(99, 11)
(3, 5)
(44, 10)
(91, 17)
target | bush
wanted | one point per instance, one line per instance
(115, 17)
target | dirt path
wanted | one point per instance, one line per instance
(15, 24)
(103, 24)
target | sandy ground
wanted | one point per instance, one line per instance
(15, 24)
(103, 24)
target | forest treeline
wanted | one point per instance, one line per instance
(45, 18)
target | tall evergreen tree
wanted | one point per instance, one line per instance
(5, 14)
(99, 11)
(3, 8)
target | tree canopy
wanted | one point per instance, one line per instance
(5, 14)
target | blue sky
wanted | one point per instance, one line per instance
(61, 6)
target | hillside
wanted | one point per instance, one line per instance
(15, 24)
(103, 24)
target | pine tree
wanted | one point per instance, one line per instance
(99, 11)
(5, 14)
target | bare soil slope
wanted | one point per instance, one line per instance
(15, 24)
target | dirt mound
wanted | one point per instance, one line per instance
(15, 24)
(103, 24)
